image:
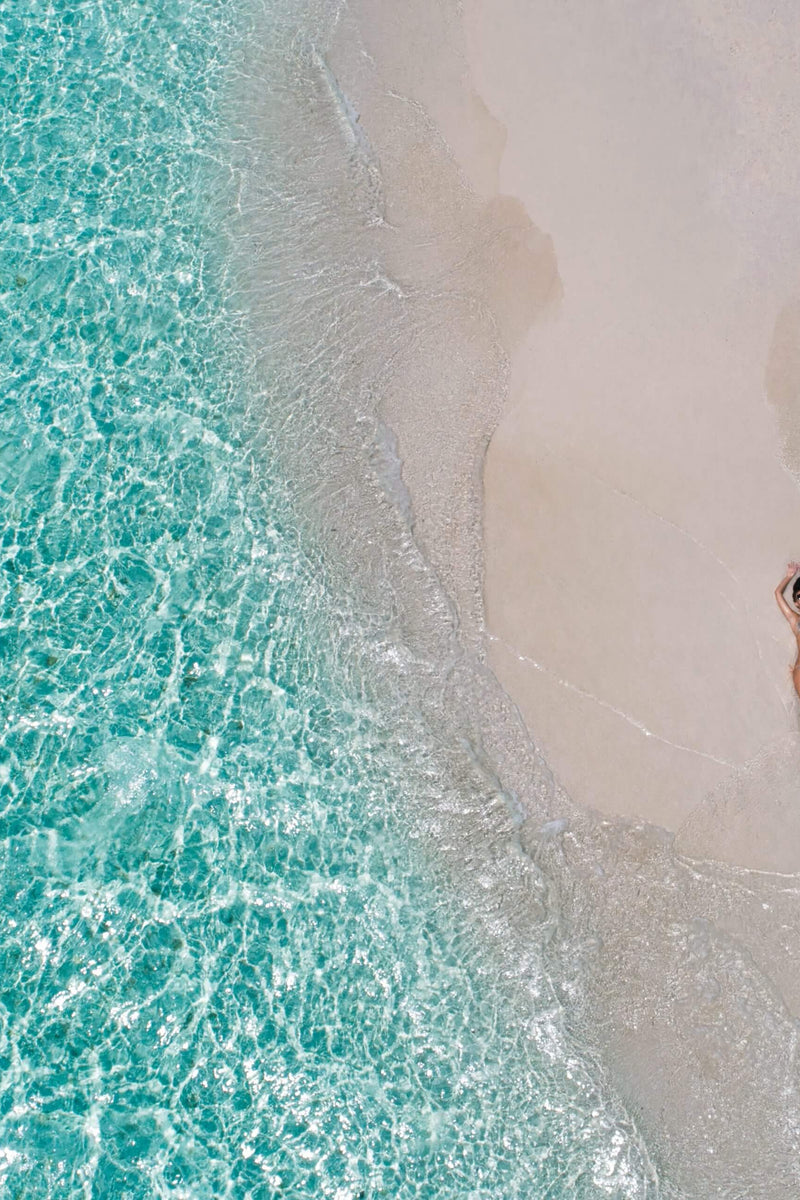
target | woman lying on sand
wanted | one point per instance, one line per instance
(791, 616)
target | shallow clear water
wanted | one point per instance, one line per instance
(226, 970)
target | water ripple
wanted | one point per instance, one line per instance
(223, 971)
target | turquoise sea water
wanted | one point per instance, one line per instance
(225, 970)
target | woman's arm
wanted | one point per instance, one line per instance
(789, 613)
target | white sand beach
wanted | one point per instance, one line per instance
(638, 510)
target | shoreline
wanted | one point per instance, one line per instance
(676, 971)
(640, 493)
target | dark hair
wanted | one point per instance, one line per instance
(796, 589)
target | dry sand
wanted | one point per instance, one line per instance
(637, 510)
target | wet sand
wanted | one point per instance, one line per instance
(640, 502)
(638, 512)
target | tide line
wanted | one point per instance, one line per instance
(565, 683)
